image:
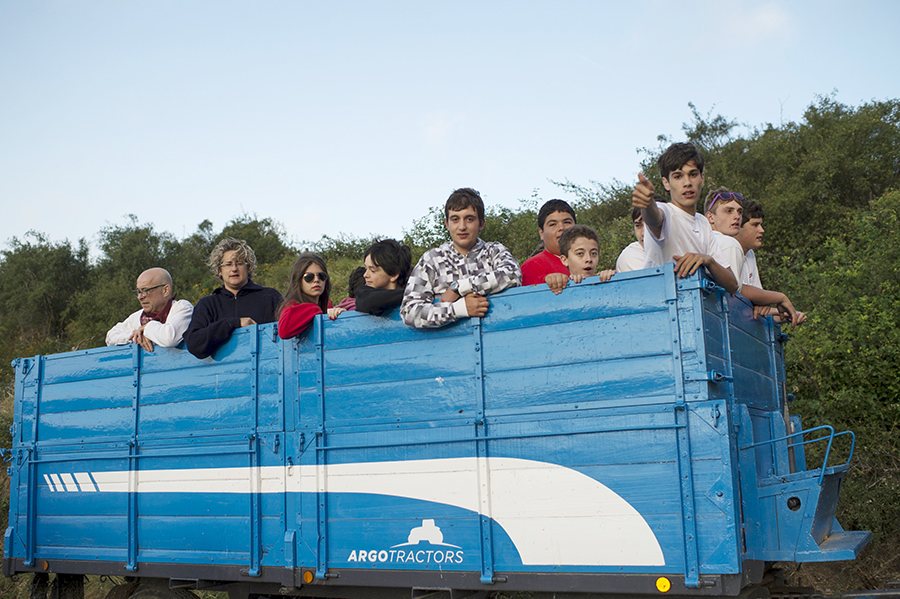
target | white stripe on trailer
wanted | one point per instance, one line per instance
(50, 484)
(84, 482)
(56, 482)
(69, 481)
(554, 515)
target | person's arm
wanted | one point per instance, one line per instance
(723, 276)
(419, 309)
(643, 197)
(501, 272)
(761, 297)
(377, 301)
(205, 335)
(120, 334)
(296, 318)
(689, 263)
(170, 333)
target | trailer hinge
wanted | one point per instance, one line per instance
(712, 376)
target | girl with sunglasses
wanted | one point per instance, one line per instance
(307, 295)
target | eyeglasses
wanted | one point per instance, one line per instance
(725, 196)
(230, 264)
(311, 276)
(145, 292)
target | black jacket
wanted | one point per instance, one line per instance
(216, 316)
(377, 301)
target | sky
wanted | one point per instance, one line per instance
(356, 117)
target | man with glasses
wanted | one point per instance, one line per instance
(239, 302)
(162, 320)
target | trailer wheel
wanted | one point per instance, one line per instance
(40, 583)
(122, 591)
(67, 586)
(163, 593)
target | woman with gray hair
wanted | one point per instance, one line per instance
(239, 302)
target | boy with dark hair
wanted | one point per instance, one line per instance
(580, 252)
(676, 231)
(632, 257)
(750, 238)
(554, 217)
(460, 272)
(462, 198)
(387, 270)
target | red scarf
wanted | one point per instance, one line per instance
(158, 316)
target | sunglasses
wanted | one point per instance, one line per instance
(725, 196)
(311, 276)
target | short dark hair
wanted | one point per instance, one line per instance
(393, 257)
(552, 206)
(462, 198)
(751, 210)
(356, 280)
(574, 232)
(676, 156)
(635, 214)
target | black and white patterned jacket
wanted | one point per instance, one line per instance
(487, 268)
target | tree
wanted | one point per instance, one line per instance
(265, 236)
(126, 251)
(38, 283)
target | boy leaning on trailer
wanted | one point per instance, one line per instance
(675, 231)
(579, 248)
(461, 272)
(724, 210)
(750, 238)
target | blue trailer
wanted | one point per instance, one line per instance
(626, 438)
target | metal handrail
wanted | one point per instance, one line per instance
(831, 436)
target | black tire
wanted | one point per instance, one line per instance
(67, 586)
(40, 584)
(122, 591)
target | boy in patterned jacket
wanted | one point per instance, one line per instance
(458, 273)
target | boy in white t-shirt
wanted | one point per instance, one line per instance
(750, 238)
(675, 231)
(724, 210)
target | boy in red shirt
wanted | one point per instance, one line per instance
(554, 217)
